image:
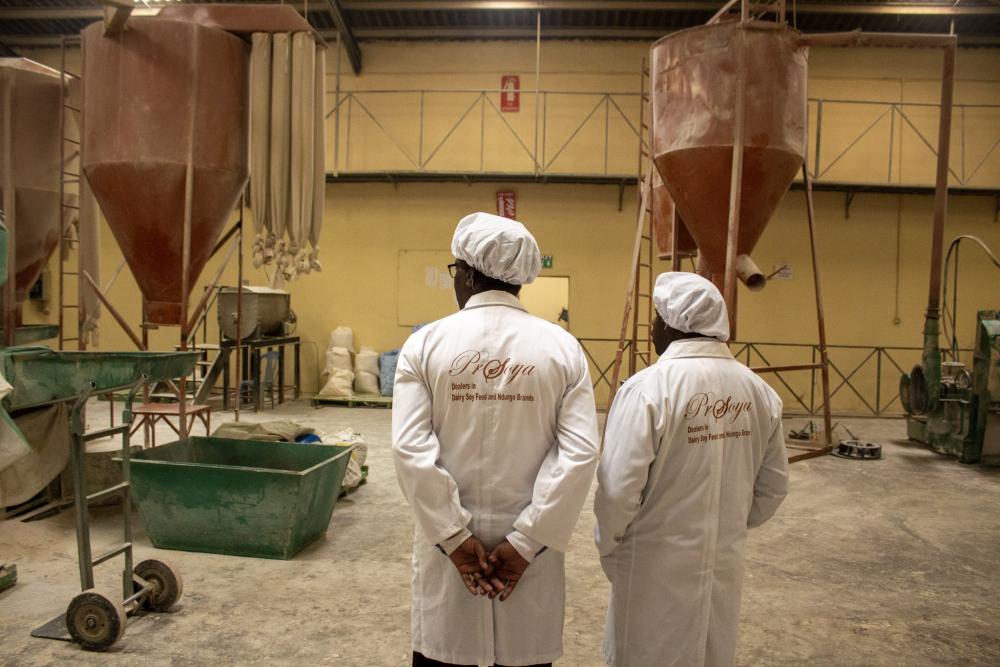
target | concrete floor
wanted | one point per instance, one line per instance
(888, 562)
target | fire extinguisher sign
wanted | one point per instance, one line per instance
(507, 204)
(510, 93)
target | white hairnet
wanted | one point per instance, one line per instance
(687, 302)
(498, 247)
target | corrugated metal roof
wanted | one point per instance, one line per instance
(38, 22)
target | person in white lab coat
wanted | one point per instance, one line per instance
(494, 438)
(694, 456)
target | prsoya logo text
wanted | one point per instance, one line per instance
(473, 362)
(705, 405)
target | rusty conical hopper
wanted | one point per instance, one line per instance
(31, 92)
(663, 215)
(694, 95)
(156, 94)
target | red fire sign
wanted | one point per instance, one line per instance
(507, 204)
(510, 93)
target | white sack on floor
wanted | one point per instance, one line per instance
(366, 361)
(339, 385)
(352, 478)
(366, 371)
(365, 383)
(338, 358)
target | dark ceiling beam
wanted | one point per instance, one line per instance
(498, 32)
(901, 8)
(64, 13)
(467, 33)
(484, 33)
(347, 37)
(856, 8)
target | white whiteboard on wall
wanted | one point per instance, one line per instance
(424, 289)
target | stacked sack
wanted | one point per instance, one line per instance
(366, 371)
(338, 374)
(387, 370)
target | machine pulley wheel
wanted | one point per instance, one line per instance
(168, 586)
(918, 394)
(95, 619)
(963, 380)
(856, 449)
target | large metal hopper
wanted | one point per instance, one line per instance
(158, 96)
(663, 214)
(694, 99)
(29, 94)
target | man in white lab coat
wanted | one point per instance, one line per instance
(494, 437)
(694, 456)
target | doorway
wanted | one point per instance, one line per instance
(548, 298)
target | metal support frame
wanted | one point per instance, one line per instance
(82, 500)
(66, 177)
(345, 35)
(134, 589)
(858, 372)
(116, 13)
(550, 156)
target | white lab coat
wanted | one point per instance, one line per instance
(493, 429)
(694, 456)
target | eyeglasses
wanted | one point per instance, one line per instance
(452, 269)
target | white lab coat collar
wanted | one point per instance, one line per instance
(696, 347)
(494, 298)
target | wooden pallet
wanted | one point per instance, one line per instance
(359, 401)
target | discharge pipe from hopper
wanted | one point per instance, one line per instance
(749, 273)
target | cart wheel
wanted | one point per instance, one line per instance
(168, 586)
(95, 619)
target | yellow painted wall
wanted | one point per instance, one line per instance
(368, 225)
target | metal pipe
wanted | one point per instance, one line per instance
(736, 182)
(793, 367)
(222, 241)
(930, 360)
(941, 186)
(820, 321)
(722, 12)
(186, 247)
(538, 84)
(207, 294)
(127, 478)
(80, 489)
(114, 312)
(859, 38)
(239, 320)
(748, 272)
(336, 119)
